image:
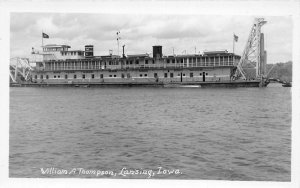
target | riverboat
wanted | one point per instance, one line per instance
(58, 65)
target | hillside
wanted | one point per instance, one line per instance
(282, 71)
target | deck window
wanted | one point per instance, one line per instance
(66, 76)
(75, 76)
(35, 76)
(101, 75)
(200, 74)
(110, 75)
(83, 76)
(93, 76)
(58, 76)
(54, 76)
(191, 75)
(115, 75)
(166, 75)
(41, 76)
(171, 74)
(141, 75)
(173, 60)
(168, 60)
(47, 76)
(206, 74)
(145, 75)
(123, 76)
(155, 75)
(146, 61)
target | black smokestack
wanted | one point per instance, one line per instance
(89, 51)
(157, 52)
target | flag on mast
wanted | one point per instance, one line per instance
(45, 36)
(236, 38)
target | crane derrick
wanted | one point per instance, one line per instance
(253, 54)
(19, 67)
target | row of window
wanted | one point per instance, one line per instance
(123, 75)
(191, 60)
(130, 62)
(54, 49)
(70, 53)
(181, 60)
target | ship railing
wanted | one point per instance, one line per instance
(139, 66)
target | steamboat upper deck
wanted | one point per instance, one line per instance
(59, 58)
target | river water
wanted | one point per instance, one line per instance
(211, 133)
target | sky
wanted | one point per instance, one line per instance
(139, 32)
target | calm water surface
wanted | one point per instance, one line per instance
(228, 134)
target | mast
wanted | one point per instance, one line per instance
(42, 39)
(118, 38)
